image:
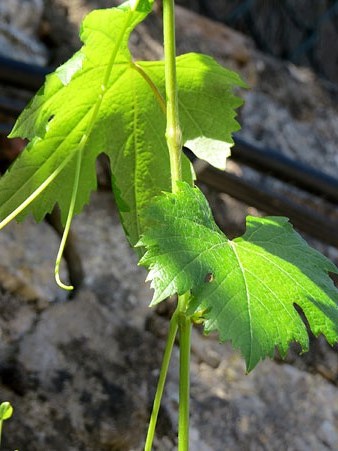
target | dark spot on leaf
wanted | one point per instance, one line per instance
(209, 277)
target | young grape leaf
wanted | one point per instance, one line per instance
(246, 288)
(102, 101)
(77, 110)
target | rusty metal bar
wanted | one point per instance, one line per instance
(22, 75)
(286, 169)
(305, 219)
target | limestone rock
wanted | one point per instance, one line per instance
(78, 371)
(19, 23)
(302, 31)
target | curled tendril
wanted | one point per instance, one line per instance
(39, 191)
(70, 215)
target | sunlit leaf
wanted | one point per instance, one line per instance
(248, 288)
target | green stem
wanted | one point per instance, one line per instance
(174, 141)
(184, 325)
(161, 381)
(173, 130)
(180, 319)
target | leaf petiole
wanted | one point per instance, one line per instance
(182, 323)
(152, 86)
(173, 326)
(184, 327)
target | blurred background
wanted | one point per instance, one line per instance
(300, 31)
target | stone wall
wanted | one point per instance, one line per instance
(302, 31)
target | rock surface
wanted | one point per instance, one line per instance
(81, 373)
(302, 31)
(19, 24)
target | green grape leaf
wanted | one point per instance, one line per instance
(102, 101)
(248, 288)
(76, 110)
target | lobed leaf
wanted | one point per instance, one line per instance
(102, 101)
(249, 288)
(75, 110)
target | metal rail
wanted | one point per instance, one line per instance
(305, 219)
(22, 75)
(286, 169)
